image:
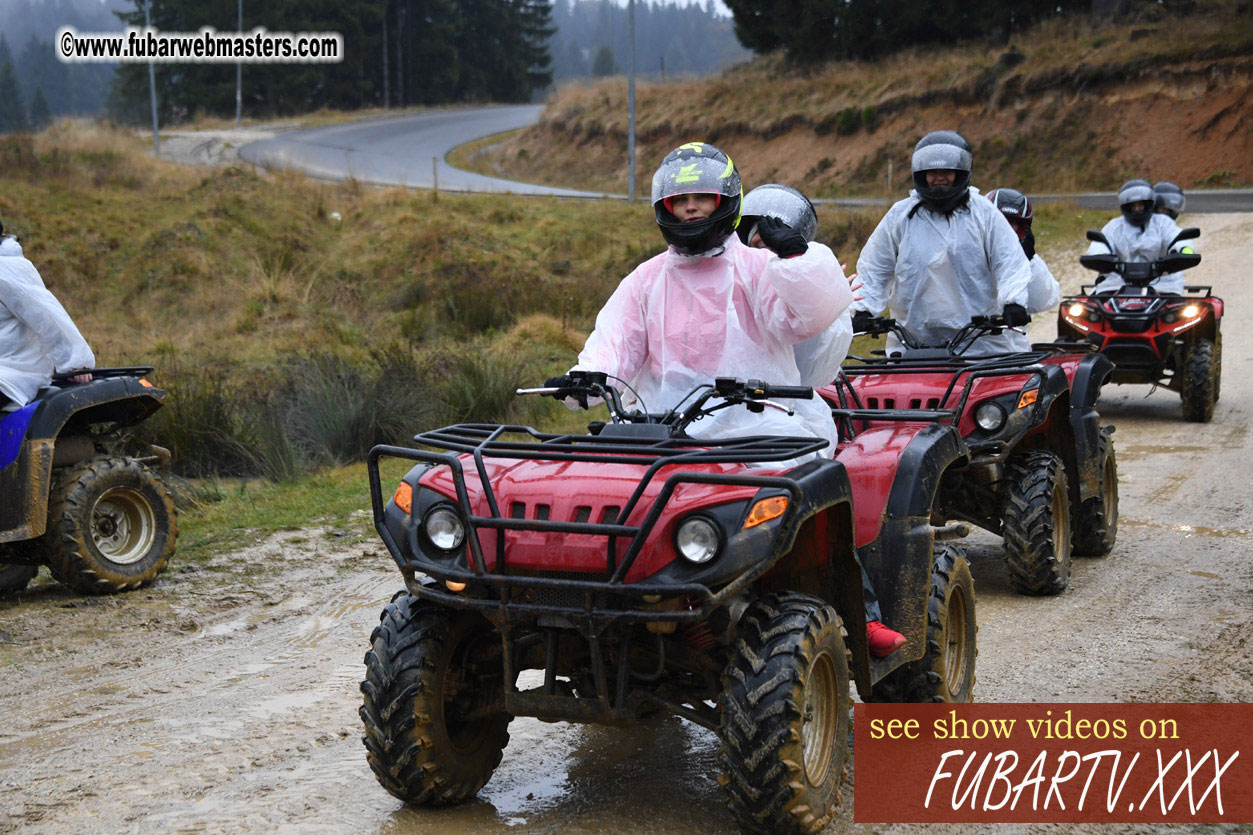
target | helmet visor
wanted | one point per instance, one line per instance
(695, 175)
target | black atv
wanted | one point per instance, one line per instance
(1156, 338)
(74, 500)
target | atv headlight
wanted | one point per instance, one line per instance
(444, 528)
(1191, 311)
(990, 416)
(1076, 310)
(698, 539)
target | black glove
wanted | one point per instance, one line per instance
(563, 388)
(1015, 315)
(783, 239)
(863, 321)
(1028, 244)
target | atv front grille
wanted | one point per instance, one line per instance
(557, 596)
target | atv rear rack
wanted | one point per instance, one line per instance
(485, 441)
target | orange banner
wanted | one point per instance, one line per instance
(1053, 763)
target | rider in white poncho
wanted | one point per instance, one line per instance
(940, 256)
(37, 336)
(1140, 234)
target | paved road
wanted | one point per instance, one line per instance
(399, 152)
(404, 151)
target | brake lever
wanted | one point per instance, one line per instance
(787, 410)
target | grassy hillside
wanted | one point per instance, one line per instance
(289, 339)
(1069, 106)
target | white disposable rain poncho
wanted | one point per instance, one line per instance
(818, 359)
(37, 336)
(679, 321)
(934, 273)
(1133, 244)
(1044, 291)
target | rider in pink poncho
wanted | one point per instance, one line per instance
(711, 307)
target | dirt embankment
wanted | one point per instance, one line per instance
(1036, 122)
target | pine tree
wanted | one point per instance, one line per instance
(12, 108)
(40, 116)
(603, 64)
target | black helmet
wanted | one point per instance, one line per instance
(782, 202)
(1136, 191)
(697, 168)
(1016, 208)
(941, 150)
(1170, 200)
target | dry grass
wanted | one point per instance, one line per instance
(1049, 112)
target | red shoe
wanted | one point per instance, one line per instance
(883, 641)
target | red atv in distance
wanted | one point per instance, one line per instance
(1041, 471)
(1161, 339)
(637, 569)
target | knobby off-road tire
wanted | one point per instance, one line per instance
(946, 671)
(433, 704)
(111, 526)
(1036, 523)
(1096, 520)
(785, 703)
(1200, 382)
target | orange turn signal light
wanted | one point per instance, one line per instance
(403, 497)
(765, 510)
(1028, 397)
(146, 384)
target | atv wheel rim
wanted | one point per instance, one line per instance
(123, 526)
(957, 652)
(1109, 484)
(820, 719)
(1061, 528)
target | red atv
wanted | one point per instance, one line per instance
(637, 569)
(1041, 471)
(1160, 339)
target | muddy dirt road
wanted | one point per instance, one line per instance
(225, 698)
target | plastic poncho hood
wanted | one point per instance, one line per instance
(37, 336)
(934, 272)
(680, 321)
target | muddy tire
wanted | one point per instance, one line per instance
(1200, 382)
(111, 526)
(785, 705)
(946, 671)
(1036, 524)
(1096, 520)
(433, 706)
(15, 578)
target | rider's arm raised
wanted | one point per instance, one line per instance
(802, 296)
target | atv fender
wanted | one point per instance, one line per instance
(819, 558)
(899, 560)
(1092, 372)
(119, 400)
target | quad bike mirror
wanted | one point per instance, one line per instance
(1186, 235)
(1177, 261)
(1101, 263)
(1098, 237)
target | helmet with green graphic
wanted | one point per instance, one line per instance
(697, 168)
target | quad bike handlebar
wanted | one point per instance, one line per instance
(1141, 273)
(755, 395)
(956, 345)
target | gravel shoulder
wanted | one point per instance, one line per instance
(224, 698)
